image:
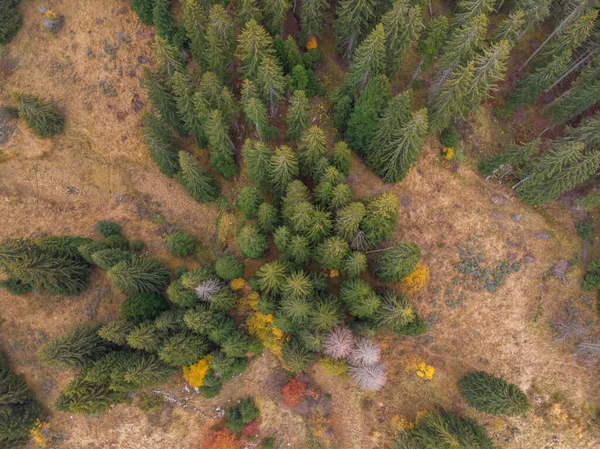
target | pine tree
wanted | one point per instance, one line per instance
(44, 119)
(490, 394)
(312, 149)
(353, 19)
(396, 263)
(395, 116)
(467, 10)
(566, 166)
(197, 181)
(381, 218)
(332, 252)
(184, 94)
(367, 110)
(348, 219)
(257, 115)
(271, 276)
(359, 298)
(248, 10)
(183, 349)
(296, 357)
(194, 22)
(254, 44)
(369, 59)
(354, 264)
(510, 30)
(160, 144)
(170, 57)
(220, 41)
(75, 350)
(267, 217)
(449, 101)
(572, 36)
(116, 331)
(145, 337)
(163, 100)
(270, 82)
(248, 201)
(143, 9)
(464, 42)
(402, 25)
(162, 19)
(489, 70)
(312, 17)
(275, 12)
(341, 157)
(298, 115)
(221, 147)
(258, 163)
(139, 275)
(283, 168)
(433, 39)
(252, 242)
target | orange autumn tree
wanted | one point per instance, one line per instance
(292, 392)
(220, 439)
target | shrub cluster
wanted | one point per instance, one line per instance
(181, 244)
(10, 20)
(44, 119)
(242, 414)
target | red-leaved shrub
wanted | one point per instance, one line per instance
(250, 429)
(292, 392)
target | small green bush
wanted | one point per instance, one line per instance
(490, 394)
(181, 244)
(229, 268)
(585, 229)
(449, 137)
(591, 281)
(107, 228)
(15, 286)
(10, 20)
(142, 307)
(244, 413)
(44, 119)
(268, 443)
(137, 246)
(248, 202)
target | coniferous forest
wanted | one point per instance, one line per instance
(300, 223)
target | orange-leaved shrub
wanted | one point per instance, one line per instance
(292, 392)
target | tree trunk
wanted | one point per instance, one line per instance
(500, 5)
(417, 71)
(568, 72)
(440, 82)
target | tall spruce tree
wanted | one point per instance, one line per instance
(275, 12)
(391, 162)
(160, 143)
(220, 41)
(572, 37)
(467, 10)
(162, 19)
(352, 22)
(536, 12)
(139, 275)
(270, 82)
(257, 115)
(194, 23)
(511, 28)
(184, 94)
(254, 44)
(197, 181)
(170, 56)
(298, 114)
(490, 68)
(312, 17)
(402, 26)
(369, 59)
(221, 147)
(394, 117)
(312, 149)
(143, 9)
(162, 99)
(258, 162)
(283, 168)
(248, 10)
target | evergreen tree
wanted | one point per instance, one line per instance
(108, 258)
(283, 168)
(248, 10)
(298, 115)
(220, 41)
(450, 100)
(490, 68)
(258, 163)
(271, 276)
(145, 337)
(341, 157)
(184, 94)
(395, 116)
(566, 166)
(332, 252)
(221, 147)
(253, 243)
(160, 144)
(296, 357)
(320, 226)
(248, 201)
(536, 12)
(433, 39)
(402, 26)
(464, 42)
(275, 12)
(143, 9)
(353, 19)
(367, 110)
(513, 160)
(44, 119)
(270, 82)
(254, 44)
(396, 263)
(138, 275)
(312, 149)
(392, 162)
(257, 115)
(490, 394)
(341, 196)
(297, 247)
(162, 19)
(183, 349)
(354, 264)
(572, 36)
(369, 59)
(170, 57)
(511, 28)
(116, 331)
(293, 57)
(588, 132)
(348, 220)
(381, 218)
(194, 22)
(267, 217)
(75, 350)
(312, 17)
(210, 88)
(197, 181)
(163, 100)
(359, 298)
(398, 314)
(82, 396)
(467, 10)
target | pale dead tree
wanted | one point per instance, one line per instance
(365, 352)
(566, 330)
(207, 289)
(339, 343)
(368, 377)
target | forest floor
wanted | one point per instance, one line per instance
(99, 169)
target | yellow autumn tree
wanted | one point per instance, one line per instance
(195, 374)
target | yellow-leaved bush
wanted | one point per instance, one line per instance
(334, 367)
(261, 326)
(416, 280)
(195, 374)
